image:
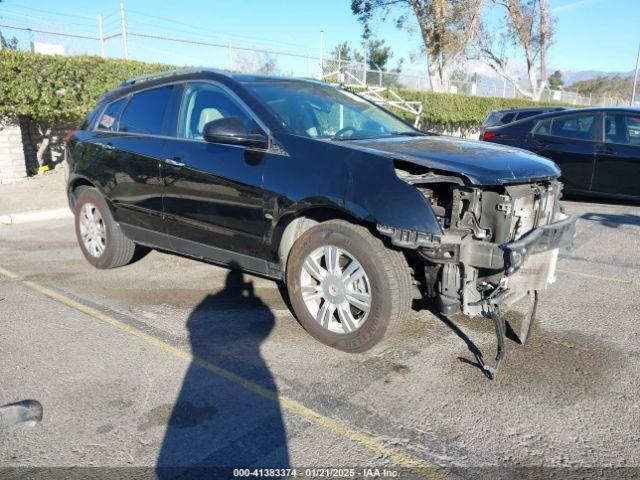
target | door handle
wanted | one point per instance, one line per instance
(174, 162)
(605, 151)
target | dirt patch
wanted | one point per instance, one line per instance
(105, 428)
(182, 414)
(401, 369)
(120, 404)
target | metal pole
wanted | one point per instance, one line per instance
(379, 76)
(321, 70)
(123, 24)
(635, 78)
(229, 61)
(101, 35)
(364, 66)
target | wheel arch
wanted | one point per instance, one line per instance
(74, 185)
(293, 224)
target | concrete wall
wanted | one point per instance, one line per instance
(12, 159)
(31, 139)
(19, 142)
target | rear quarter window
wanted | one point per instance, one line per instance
(543, 127)
(492, 119)
(579, 127)
(109, 118)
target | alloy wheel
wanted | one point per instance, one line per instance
(335, 289)
(92, 230)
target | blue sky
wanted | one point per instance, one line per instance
(591, 34)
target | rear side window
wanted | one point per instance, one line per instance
(109, 118)
(145, 112)
(580, 127)
(575, 126)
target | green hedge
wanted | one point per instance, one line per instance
(56, 88)
(459, 111)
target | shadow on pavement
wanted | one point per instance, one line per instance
(215, 423)
(612, 220)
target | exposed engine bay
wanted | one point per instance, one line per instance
(498, 244)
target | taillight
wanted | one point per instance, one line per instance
(68, 138)
(487, 135)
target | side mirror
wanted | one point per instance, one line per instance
(231, 130)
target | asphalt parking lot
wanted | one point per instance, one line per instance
(172, 362)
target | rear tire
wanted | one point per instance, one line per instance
(100, 238)
(361, 292)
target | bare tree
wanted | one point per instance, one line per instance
(447, 28)
(529, 27)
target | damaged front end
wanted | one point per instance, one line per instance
(498, 245)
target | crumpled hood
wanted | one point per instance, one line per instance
(481, 162)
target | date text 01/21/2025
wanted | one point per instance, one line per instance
(317, 472)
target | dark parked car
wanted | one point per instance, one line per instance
(597, 149)
(497, 118)
(303, 182)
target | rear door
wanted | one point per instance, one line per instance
(618, 155)
(132, 154)
(213, 198)
(570, 141)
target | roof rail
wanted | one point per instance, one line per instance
(168, 73)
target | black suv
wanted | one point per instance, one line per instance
(299, 181)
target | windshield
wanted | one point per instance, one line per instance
(320, 111)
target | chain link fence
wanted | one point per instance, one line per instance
(142, 36)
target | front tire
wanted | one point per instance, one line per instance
(347, 289)
(100, 238)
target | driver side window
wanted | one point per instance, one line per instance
(203, 103)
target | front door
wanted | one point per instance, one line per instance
(570, 141)
(618, 156)
(213, 199)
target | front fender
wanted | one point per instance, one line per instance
(361, 183)
(383, 199)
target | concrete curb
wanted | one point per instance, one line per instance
(35, 216)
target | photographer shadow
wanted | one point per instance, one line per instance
(216, 423)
